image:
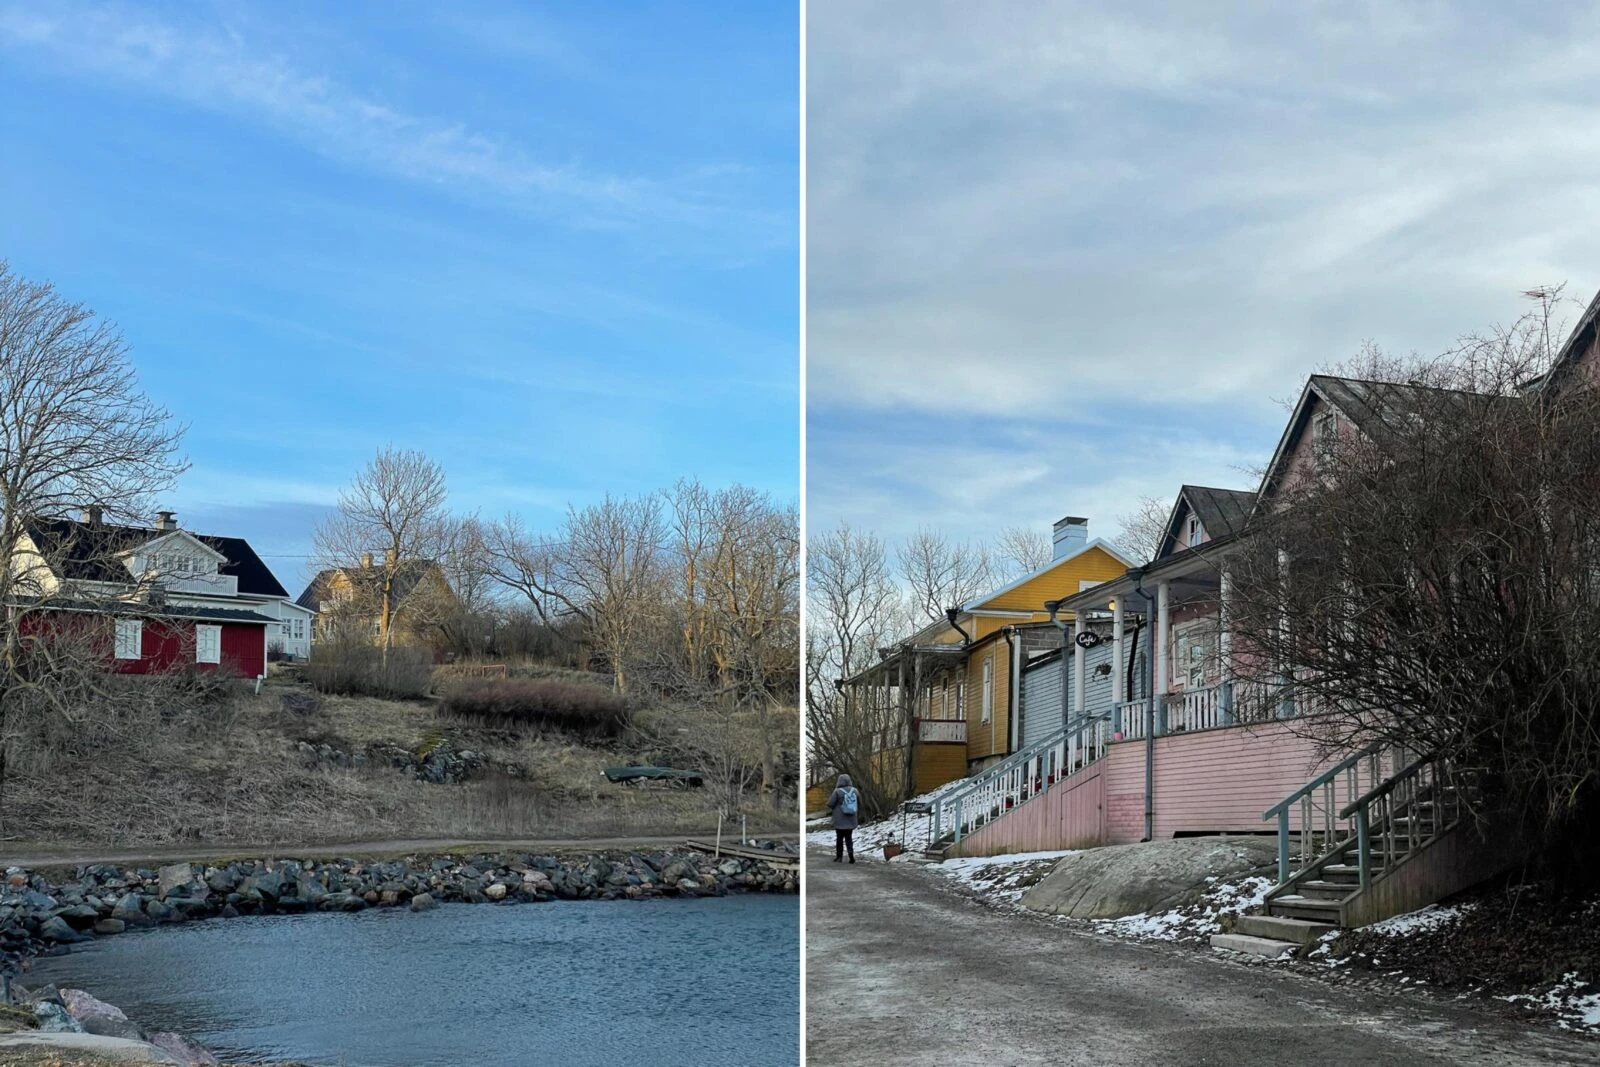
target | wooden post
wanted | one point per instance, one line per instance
(1080, 703)
(1163, 677)
(1119, 691)
(717, 854)
(1225, 645)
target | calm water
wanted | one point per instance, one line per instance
(573, 983)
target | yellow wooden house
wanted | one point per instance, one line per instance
(947, 695)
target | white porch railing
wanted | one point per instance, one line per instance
(942, 730)
(1195, 709)
(1018, 778)
(1129, 719)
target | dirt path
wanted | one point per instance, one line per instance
(36, 856)
(900, 970)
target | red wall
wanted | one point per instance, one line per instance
(164, 646)
(1206, 781)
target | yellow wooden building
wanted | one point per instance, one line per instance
(948, 693)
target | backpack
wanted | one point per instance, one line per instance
(847, 803)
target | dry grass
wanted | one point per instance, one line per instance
(233, 776)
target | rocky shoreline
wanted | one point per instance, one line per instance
(44, 916)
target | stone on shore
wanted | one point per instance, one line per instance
(422, 902)
(98, 1017)
(110, 926)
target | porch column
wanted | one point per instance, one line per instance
(1225, 646)
(1163, 633)
(1079, 704)
(1118, 688)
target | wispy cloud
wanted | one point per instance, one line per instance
(223, 68)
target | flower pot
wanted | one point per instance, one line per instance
(891, 850)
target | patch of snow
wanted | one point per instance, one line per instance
(1430, 918)
(1002, 878)
(1194, 922)
(1572, 1009)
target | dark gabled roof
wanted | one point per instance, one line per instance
(1578, 342)
(86, 552)
(407, 576)
(1222, 513)
(1375, 407)
(146, 610)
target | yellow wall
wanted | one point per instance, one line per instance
(936, 764)
(817, 796)
(987, 739)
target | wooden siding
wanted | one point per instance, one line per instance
(935, 763)
(1061, 580)
(817, 795)
(1207, 781)
(985, 739)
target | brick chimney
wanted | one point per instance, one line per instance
(390, 556)
(366, 560)
(1071, 534)
(166, 520)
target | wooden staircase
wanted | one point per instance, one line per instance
(1400, 845)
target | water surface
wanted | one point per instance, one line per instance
(571, 983)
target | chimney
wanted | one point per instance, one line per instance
(166, 520)
(92, 514)
(390, 556)
(1071, 534)
(366, 560)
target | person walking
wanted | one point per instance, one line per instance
(845, 803)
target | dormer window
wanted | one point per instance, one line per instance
(1194, 531)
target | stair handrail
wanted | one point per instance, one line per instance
(1388, 785)
(955, 798)
(1361, 810)
(1281, 808)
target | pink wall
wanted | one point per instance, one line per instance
(1206, 781)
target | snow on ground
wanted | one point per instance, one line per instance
(1193, 922)
(1431, 917)
(1002, 879)
(911, 832)
(1573, 1009)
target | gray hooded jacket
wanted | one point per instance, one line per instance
(841, 820)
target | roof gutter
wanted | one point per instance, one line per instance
(952, 614)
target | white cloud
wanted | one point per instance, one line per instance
(1056, 212)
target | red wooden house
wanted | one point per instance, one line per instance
(154, 599)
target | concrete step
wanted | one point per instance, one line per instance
(1278, 928)
(1317, 889)
(1301, 907)
(1266, 947)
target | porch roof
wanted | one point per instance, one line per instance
(893, 657)
(1192, 572)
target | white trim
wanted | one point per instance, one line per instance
(1002, 613)
(130, 632)
(988, 688)
(143, 549)
(208, 642)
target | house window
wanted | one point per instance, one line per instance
(288, 628)
(988, 687)
(207, 644)
(130, 638)
(961, 698)
(1194, 531)
(1325, 430)
(299, 629)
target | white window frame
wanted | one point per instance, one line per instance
(1194, 532)
(207, 643)
(130, 639)
(988, 687)
(1324, 435)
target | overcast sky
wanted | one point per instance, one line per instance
(1061, 256)
(553, 245)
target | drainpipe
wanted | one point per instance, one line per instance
(1149, 714)
(953, 614)
(1014, 698)
(1053, 607)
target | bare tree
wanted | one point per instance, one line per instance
(611, 573)
(1140, 531)
(853, 607)
(390, 518)
(1432, 579)
(942, 574)
(1024, 550)
(75, 429)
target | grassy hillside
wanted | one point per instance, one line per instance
(255, 770)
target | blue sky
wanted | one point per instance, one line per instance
(552, 245)
(1066, 254)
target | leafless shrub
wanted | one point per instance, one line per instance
(1434, 581)
(354, 668)
(584, 710)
